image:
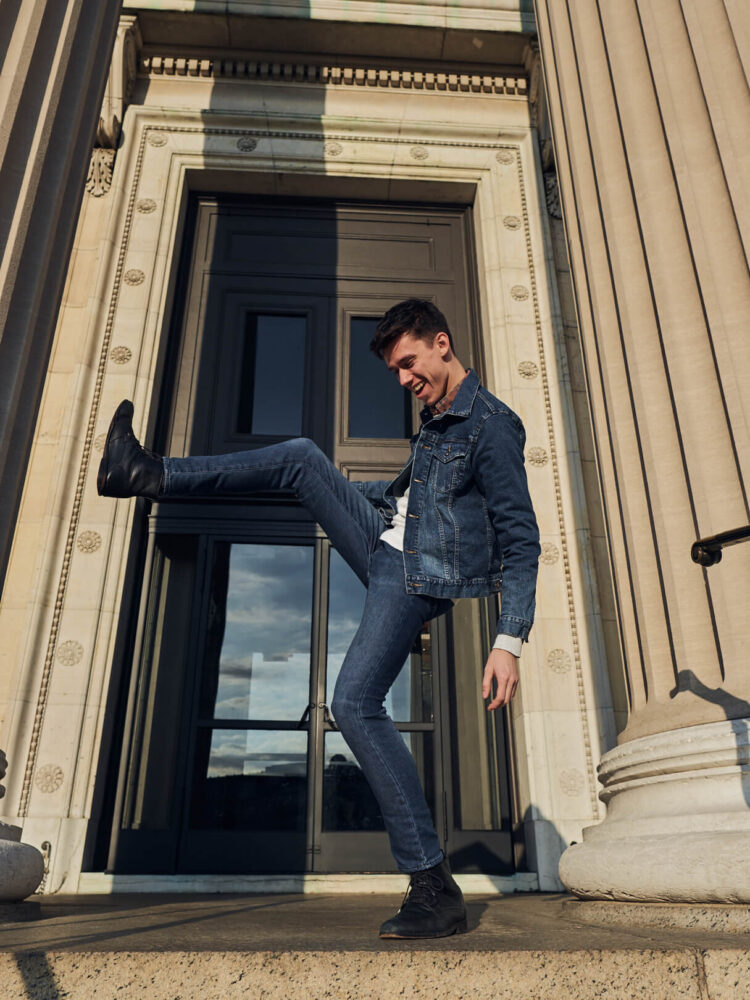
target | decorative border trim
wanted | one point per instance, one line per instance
(88, 444)
(324, 75)
(555, 465)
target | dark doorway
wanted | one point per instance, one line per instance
(231, 760)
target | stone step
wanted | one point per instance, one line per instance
(525, 947)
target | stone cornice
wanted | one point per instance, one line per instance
(343, 75)
(485, 15)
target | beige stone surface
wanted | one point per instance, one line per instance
(364, 976)
(525, 947)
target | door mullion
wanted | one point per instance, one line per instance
(316, 740)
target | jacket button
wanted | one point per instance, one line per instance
(415, 516)
(412, 552)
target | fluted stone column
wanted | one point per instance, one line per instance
(56, 56)
(650, 115)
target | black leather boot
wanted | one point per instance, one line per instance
(127, 469)
(433, 907)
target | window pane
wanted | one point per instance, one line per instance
(378, 406)
(479, 783)
(249, 780)
(272, 375)
(257, 654)
(348, 802)
(410, 697)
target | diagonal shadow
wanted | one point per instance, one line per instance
(737, 711)
(37, 975)
(65, 939)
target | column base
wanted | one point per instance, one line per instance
(678, 820)
(21, 866)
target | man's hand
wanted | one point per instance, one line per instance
(503, 666)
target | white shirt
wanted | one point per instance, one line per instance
(394, 535)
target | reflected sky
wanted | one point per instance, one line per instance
(264, 667)
(264, 664)
(257, 752)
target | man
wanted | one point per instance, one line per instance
(456, 522)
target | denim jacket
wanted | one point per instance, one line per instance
(470, 527)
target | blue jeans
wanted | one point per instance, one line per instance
(390, 622)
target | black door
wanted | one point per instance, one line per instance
(231, 760)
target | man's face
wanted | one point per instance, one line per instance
(420, 366)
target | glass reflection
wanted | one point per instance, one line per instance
(378, 406)
(348, 802)
(272, 375)
(257, 659)
(410, 698)
(249, 780)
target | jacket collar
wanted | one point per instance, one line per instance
(462, 404)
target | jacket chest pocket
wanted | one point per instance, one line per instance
(448, 460)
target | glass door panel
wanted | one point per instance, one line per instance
(478, 790)
(248, 800)
(257, 652)
(378, 406)
(272, 375)
(249, 780)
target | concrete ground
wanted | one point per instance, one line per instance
(310, 946)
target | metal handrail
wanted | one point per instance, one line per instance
(707, 551)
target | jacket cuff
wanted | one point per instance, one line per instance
(517, 627)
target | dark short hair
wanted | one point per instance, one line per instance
(415, 316)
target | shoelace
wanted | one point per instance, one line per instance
(423, 890)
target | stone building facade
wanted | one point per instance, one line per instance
(474, 152)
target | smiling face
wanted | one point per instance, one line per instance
(423, 368)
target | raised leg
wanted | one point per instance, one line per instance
(349, 520)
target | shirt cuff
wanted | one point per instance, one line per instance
(511, 643)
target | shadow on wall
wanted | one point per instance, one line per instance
(737, 711)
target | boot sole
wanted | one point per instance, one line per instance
(460, 928)
(102, 475)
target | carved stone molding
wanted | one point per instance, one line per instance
(99, 178)
(552, 195)
(121, 354)
(120, 82)
(537, 457)
(571, 781)
(528, 369)
(559, 661)
(70, 652)
(549, 554)
(89, 541)
(49, 778)
(519, 292)
(532, 65)
(346, 75)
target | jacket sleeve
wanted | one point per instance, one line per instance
(498, 467)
